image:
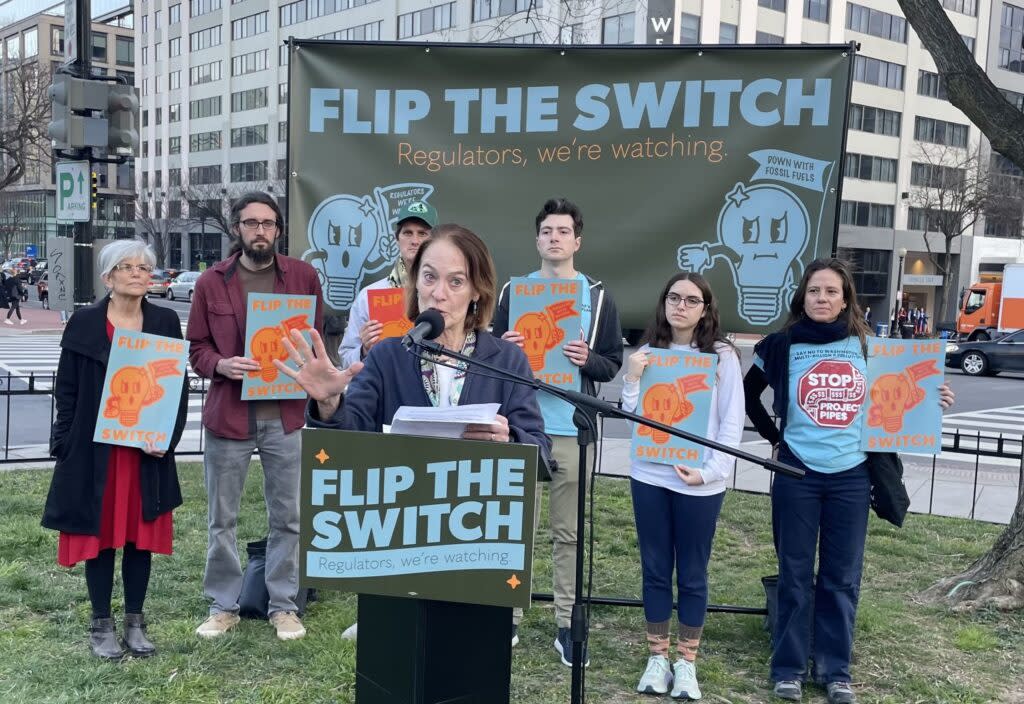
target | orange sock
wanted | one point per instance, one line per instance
(657, 638)
(689, 641)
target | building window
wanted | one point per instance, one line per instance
(204, 73)
(817, 10)
(861, 214)
(174, 147)
(145, 24)
(1004, 225)
(932, 220)
(251, 99)
(57, 41)
(727, 33)
(128, 76)
(203, 175)
(927, 129)
(125, 175)
(125, 51)
(159, 148)
(174, 209)
(159, 116)
(877, 72)
(174, 113)
(1016, 99)
(432, 19)
(99, 47)
(201, 7)
(877, 120)
(156, 20)
(870, 168)
(931, 85)
(204, 107)
(364, 32)
(249, 26)
(145, 149)
(778, 5)
(145, 118)
(204, 38)
(145, 55)
(489, 9)
(159, 84)
(250, 63)
(876, 23)
(282, 93)
(204, 141)
(282, 131)
(174, 14)
(145, 86)
(309, 9)
(282, 169)
(174, 47)
(174, 175)
(174, 80)
(282, 55)
(689, 29)
(767, 38)
(968, 42)
(967, 7)
(1011, 39)
(618, 29)
(937, 176)
(249, 171)
(249, 136)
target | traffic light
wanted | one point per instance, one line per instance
(122, 114)
(95, 189)
(73, 100)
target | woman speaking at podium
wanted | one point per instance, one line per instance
(454, 274)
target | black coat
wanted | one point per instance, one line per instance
(75, 501)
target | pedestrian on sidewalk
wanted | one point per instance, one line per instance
(676, 511)
(825, 513)
(12, 287)
(104, 497)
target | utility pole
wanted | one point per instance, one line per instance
(81, 66)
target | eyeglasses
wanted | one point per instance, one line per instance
(674, 299)
(141, 268)
(253, 225)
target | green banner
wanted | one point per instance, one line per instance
(724, 161)
(397, 515)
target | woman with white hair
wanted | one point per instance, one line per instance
(104, 497)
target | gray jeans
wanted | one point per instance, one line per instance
(226, 463)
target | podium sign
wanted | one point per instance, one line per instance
(430, 518)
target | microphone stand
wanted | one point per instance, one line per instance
(579, 627)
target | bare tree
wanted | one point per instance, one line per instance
(151, 224)
(23, 120)
(565, 24)
(11, 223)
(954, 191)
(997, 578)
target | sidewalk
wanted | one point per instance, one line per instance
(39, 321)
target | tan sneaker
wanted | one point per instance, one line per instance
(288, 625)
(217, 625)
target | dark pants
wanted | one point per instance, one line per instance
(674, 531)
(834, 507)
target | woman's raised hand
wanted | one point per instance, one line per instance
(314, 371)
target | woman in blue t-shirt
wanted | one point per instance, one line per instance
(817, 371)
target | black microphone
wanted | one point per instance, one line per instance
(429, 324)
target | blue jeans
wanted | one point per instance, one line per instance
(825, 514)
(674, 531)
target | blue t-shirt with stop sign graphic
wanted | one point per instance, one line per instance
(827, 390)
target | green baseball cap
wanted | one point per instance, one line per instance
(419, 209)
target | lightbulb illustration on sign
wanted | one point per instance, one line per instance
(541, 332)
(763, 230)
(668, 404)
(134, 388)
(266, 345)
(892, 395)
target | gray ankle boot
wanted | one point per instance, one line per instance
(135, 639)
(103, 639)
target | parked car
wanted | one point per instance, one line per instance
(21, 265)
(158, 283)
(182, 286)
(43, 290)
(1005, 354)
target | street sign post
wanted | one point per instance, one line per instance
(73, 190)
(70, 31)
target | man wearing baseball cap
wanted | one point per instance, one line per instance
(415, 221)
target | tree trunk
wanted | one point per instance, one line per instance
(995, 579)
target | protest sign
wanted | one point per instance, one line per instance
(432, 518)
(142, 390)
(270, 317)
(902, 406)
(675, 389)
(546, 312)
(387, 306)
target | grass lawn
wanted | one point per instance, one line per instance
(905, 652)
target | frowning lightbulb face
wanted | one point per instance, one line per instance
(767, 228)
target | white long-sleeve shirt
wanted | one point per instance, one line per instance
(351, 346)
(725, 426)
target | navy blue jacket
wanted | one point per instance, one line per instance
(391, 378)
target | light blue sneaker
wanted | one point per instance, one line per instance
(684, 676)
(657, 678)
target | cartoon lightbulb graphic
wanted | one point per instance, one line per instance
(343, 230)
(766, 227)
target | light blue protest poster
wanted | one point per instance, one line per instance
(903, 412)
(142, 390)
(546, 312)
(675, 390)
(270, 317)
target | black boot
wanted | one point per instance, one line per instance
(135, 640)
(103, 640)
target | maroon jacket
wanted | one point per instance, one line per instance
(216, 330)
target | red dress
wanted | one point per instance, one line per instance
(121, 519)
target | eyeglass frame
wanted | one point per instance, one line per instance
(127, 267)
(275, 224)
(687, 301)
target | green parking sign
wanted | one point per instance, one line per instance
(73, 189)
